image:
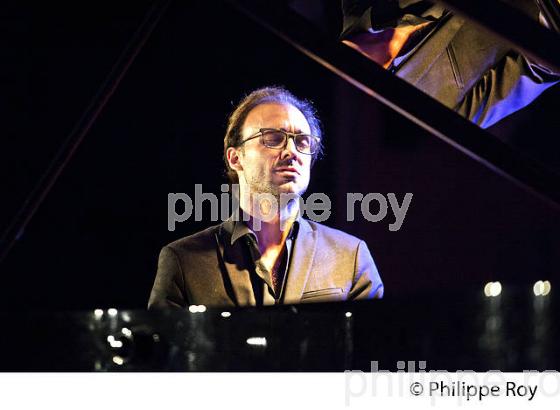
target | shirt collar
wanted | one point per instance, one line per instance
(240, 229)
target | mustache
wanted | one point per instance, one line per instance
(289, 163)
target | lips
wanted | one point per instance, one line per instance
(287, 169)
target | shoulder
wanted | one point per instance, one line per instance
(198, 241)
(331, 234)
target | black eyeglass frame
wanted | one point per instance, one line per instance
(292, 135)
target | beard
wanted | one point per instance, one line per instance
(258, 184)
(288, 199)
(263, 184)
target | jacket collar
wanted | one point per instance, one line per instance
(238, 229)
(232, 254)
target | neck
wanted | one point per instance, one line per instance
(270, 223)
(271, 234)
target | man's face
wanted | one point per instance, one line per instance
(274, 171)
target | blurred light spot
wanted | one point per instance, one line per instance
(112, 312)
(348, 314)
(197, 308)
(547, 288)
(155, 337)
(493, 289)
(496, 288)
(226, 314)
(118, 360)
(256, 341)
(126, 331)
(116, 344)
(125, 316)
(538, 288)
(541, 288)
(98, 313)
(113, 342)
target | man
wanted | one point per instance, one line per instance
(272, 255)
(455, 61)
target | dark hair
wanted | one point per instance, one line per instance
(263, 96)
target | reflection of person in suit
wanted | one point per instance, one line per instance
(270, 144)
(455, 61)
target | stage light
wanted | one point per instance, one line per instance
(98, 313)
(112, 312)
(226, 314)
(348, 314)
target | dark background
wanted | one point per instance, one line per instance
(94, 241)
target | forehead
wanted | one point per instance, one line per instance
(275, 115)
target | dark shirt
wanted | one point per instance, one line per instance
(268, 286)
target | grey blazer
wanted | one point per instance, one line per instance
(457, 62)
(206, 269)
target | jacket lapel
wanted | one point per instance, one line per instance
(234, 268)
(301, 262)
(416, 67)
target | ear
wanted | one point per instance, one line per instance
(232, 155)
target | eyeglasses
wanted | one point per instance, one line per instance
(278, 139)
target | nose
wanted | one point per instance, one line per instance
(290, 150)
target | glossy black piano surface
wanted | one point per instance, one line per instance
(512, 332)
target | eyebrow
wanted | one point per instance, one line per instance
(297, 131)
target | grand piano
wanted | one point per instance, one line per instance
(121, 107)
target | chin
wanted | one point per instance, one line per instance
(291, 188)
(289, 185)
